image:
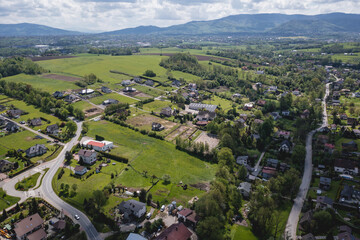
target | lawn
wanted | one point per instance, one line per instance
(27, 183)
(338, 143)
(156, 105)
(332, 193)
(101, 65)
(116, 96)
(154, 92)
(223, 103)
(240, 232)
(45, 84)
(6, 200)
(82, 105)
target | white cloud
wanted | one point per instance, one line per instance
(106, 15)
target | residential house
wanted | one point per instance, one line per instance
(308, 236)
(177, 231)
(356, 132)
(200, 106)
(98, 145)
(329, 148)
(259, 72)
(349, 146)
(285, 113)
(335, 102)
(35, 122)
(333, 127)
(296, 92)
(242, 160)
(346, 166)
(346, 193)
(192, 86)
(284, 167)
(268, 172)
(70, 98)
(352, 121)
(273, 89)
(157, 126)
(58, 94)
(126, 82)
(80, 170)
(36, 150)
(135, 236)
(52, 129)
(176, 83)
(244, 116)
(245, 189)
(248, 106)
(357, 94)
(272, 163)
(236, 95)
(14, 113)
(138, 80)
(325, 183)
(261, 102)
(105, 89)
(324, 130)
(258, 85)
(305, 114)
(12, 127)
(87, 156)
(285, 146)
(258, 121)
(205, 116)
(283, 134)
(167, 112)
(129, 89)
(132, 208)
(188, 216)
(6, 165)
(305, 221)
(323, 202)
(110, 101)
(29, 225)
(86, 91)
(345, 233)
(2, 122)
(149, 83)
(343, 116)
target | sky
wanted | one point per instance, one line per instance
(108, 15)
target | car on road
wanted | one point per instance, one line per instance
(76, 217)
(22, 122)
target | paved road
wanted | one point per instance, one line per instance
(31, 130)
(291, 226)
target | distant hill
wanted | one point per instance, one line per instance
(280, 24)
(29, 29)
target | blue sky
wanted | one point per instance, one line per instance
(107, 15)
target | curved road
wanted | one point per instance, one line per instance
(46, 191)
(291, 226)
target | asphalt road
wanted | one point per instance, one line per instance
(291, 226)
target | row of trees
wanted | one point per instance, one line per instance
(17, 65)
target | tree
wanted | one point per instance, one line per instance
(242, 173)
(298, 155)
(323, 221)
(210, 228)
(74, 187)
(166, 178)
(142, 195)
(226, 157)
(266, 129)
(68, 156)
(99, 198)
(4, 215)
(149, 199)
(149, 73)
(71, 128)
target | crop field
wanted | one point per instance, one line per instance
(45, 84)
(101, 65)
(116, 96)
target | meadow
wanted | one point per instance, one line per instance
(121, 98)
(156, 105)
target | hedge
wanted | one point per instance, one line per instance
(114, 157)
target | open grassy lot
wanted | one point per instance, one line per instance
(156, 105)
(27, 183)
(82, 105)
(155, 156)
(150, 91)
(6, 201)
(355, 59)
(338, 143)
(116, 96)
(101, 65)
(45, 84)
(223, 103)
(240, 232)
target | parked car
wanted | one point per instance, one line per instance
(148, 216)
(162, 208)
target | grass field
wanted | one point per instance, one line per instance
(240, 232)
(45, 84)
(150, 91)
(82, 105)
(101, 65)
(116, 96)
(223, 103)
(7, 201)
(156, 106)
(27, 183)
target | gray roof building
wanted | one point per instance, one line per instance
(199, 106)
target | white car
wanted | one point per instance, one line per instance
(162, 208)
(76, 217)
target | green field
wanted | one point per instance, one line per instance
(45, 84)
(116, 96)
(102, 64)
(82, 105)
(154, 92)
(223, 103)
(6, 201)
(27, 183)
(156, 105)
(240, 232)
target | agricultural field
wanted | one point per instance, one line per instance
(121, 98)
(101, 65)
(45, 84)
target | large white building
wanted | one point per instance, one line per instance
(98, 145)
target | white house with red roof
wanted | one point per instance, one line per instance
(98, 145)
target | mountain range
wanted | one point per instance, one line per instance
(278, 24)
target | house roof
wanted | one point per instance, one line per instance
(79, 168)
(345, 163)
(60, 224)
(329, 145)
(177, 231)
(287, 143)
(5, 162)
(96, 144)
(86, 153)
(345, 228)
(245, 186)
(37, 235)
(347, 191)
(198, 106)
(185, 212)
(306, 217)
(34, 149)
(51, 128)
(131, 206)
(28, 224)
(324, 200)
(135, 236)
(325, 180)
(269, 170)
(35, 121)
(345, 236)
(308, 236)
(206, 114)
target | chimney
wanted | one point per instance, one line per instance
(176, 228)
